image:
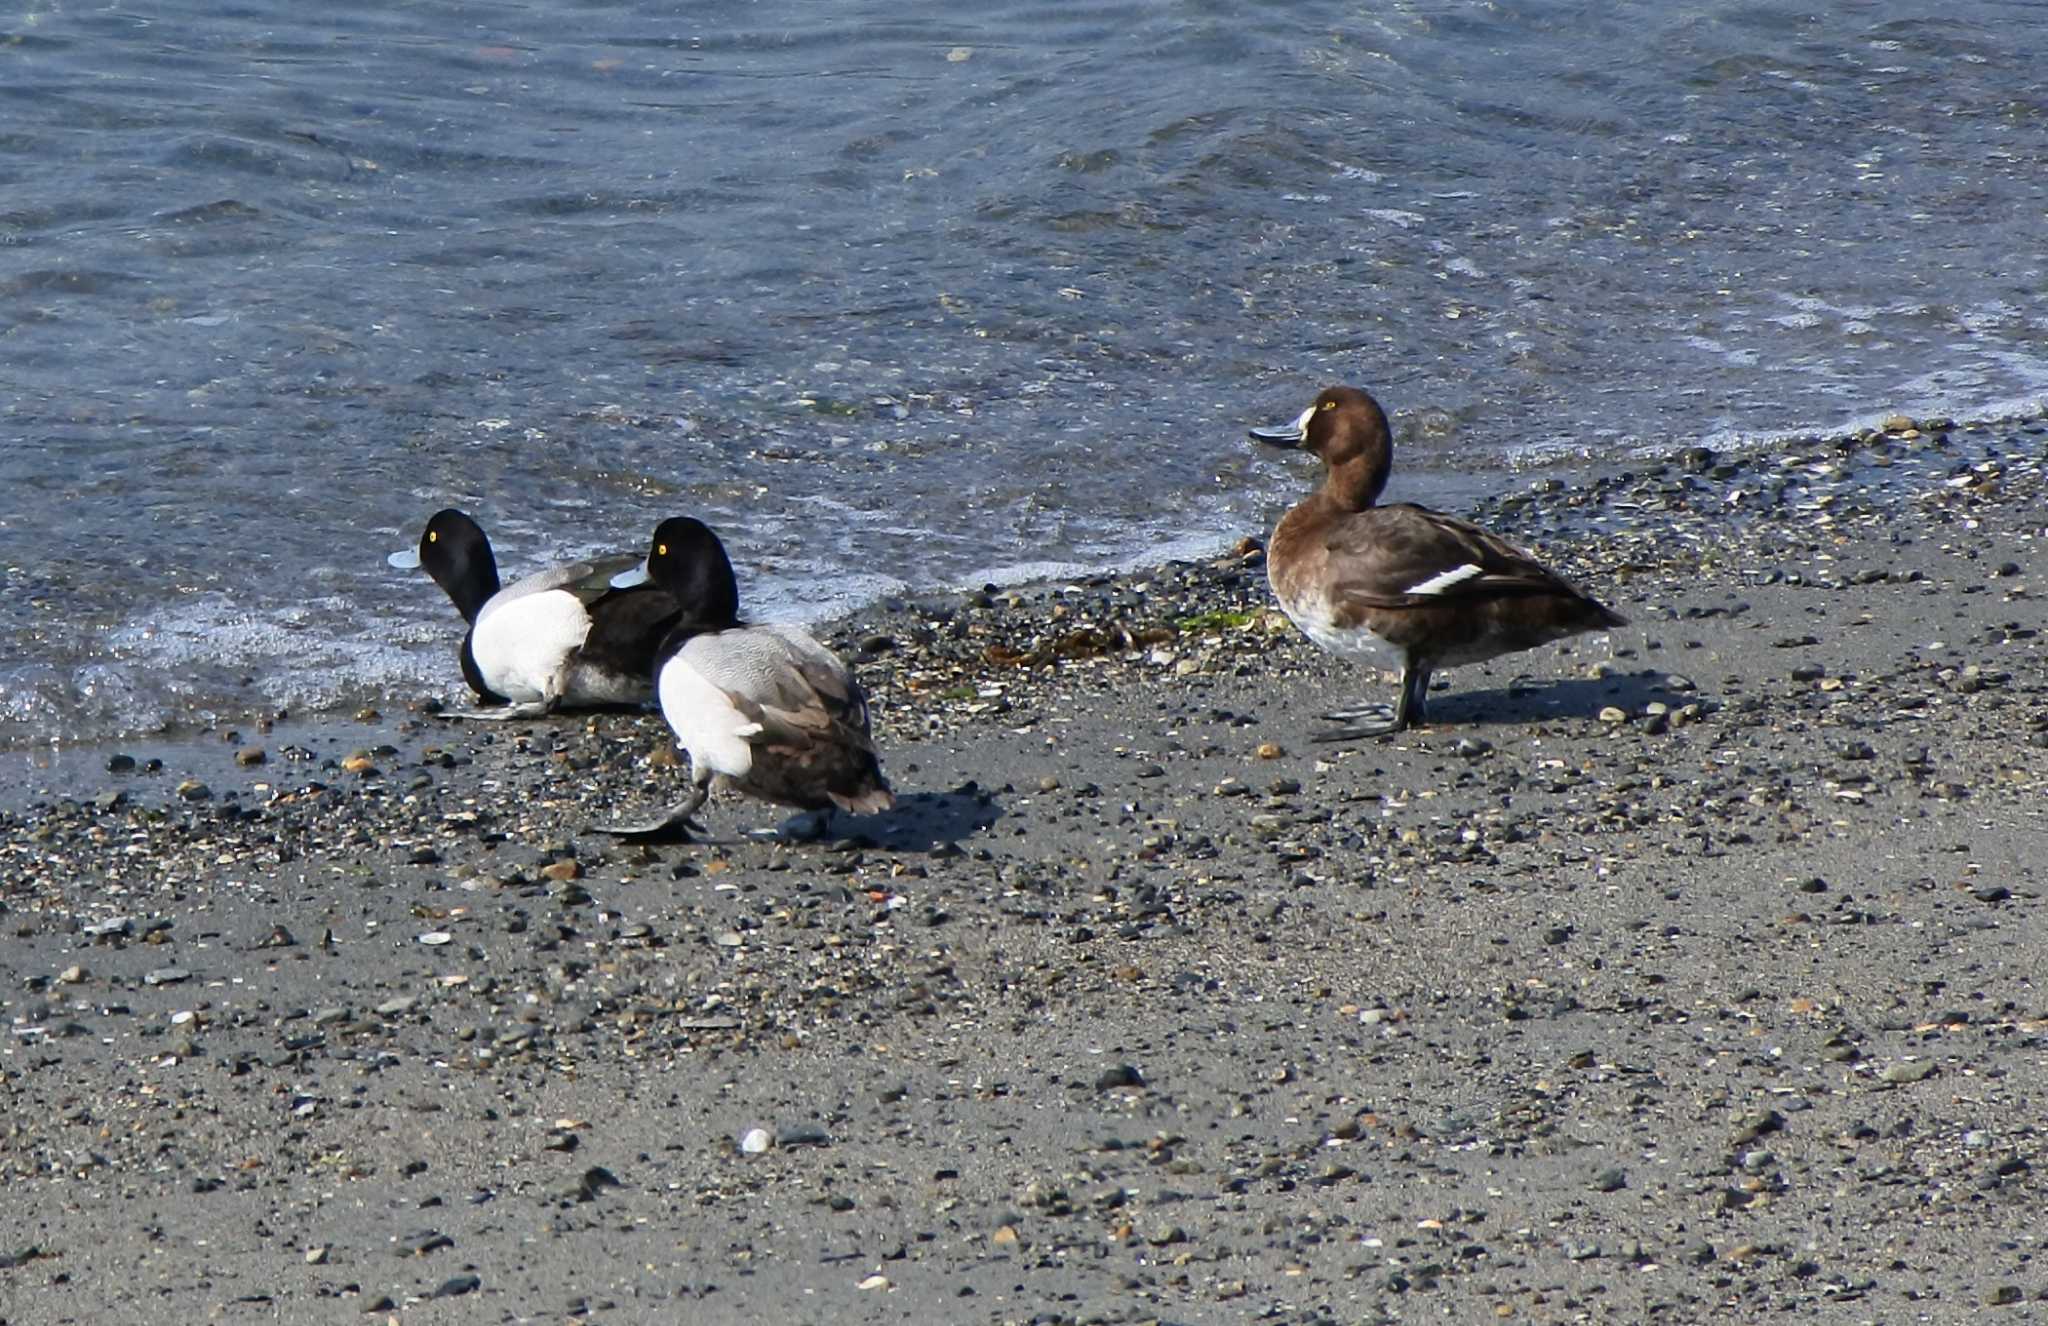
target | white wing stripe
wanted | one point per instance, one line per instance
(1437, 584)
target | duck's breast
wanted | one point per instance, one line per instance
(703, 713)
(523, 645)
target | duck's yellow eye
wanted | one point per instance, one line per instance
(661, 550)
(1329, 405)
(433, 536)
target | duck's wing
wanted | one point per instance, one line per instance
(627, 627)
(588, 580)
(780, 678)
(1404, 556)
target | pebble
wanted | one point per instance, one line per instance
(755, 1141)
(1119, 1077)
(421, 1242)
(1913, 1070)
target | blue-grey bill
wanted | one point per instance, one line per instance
(1280, 435)
(631, 576)
(405, 559)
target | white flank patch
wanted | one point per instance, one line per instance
(521, 644)
(1437, 584)
(704, 719)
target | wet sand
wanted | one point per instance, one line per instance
(1690, 973)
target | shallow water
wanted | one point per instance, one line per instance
(906, 295)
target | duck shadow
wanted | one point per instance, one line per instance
(1527, 701)
(919, 822)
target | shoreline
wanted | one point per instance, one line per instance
(77, 770)
(1142, 1006)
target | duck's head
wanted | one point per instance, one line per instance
(686, 559)
(456, 554)
(1342, 424)
(1347, 430)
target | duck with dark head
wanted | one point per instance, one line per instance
(1364, 580)
(565, 636)
(762, 709)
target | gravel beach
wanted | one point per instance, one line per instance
(1689, 973)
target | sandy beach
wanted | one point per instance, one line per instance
(1687, 974)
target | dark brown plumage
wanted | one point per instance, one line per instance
(1437, 591)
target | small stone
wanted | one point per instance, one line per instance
(1270, 750)
(756, 1141)
(1123, 1075)
(457, 1285)
(120, 764)
(317, 1255)
(250, 755)
(1164, 1235)
(1915, 1070)
(72, 975)
(1610, 1180)
(193, 790)
(1612, 714)
(2004, 1296)
(436, 938)
(359, 762)
(594, 1181)
(166, 976)
(421, 1242)
(562, 871)
(875, 1281)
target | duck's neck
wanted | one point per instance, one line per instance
(1355, 484)
(471, 585)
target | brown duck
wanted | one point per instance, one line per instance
(1433, 590)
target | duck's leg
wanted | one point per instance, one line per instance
(504, 713)
(1407, 710)
(814, 826)
(1414, 706)
(676, 823)
(1352, 715)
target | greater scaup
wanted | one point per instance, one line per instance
(1436, 590)
(766, 710)
(564, 636)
